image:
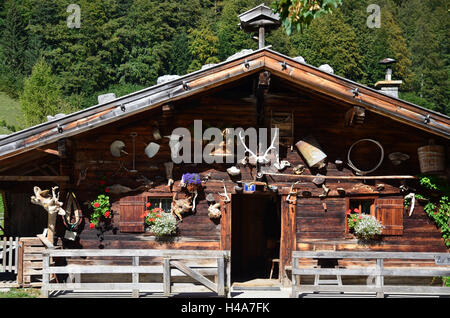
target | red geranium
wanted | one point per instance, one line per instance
(158, 215)
(148, 204)
(107, 214)
(106, 190)
(91, 225)
(102, 182)
(96, 204)
(356, 210)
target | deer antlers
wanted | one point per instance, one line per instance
(259, 159)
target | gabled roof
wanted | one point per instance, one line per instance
(264, 59)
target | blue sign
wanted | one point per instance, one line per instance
(249, 187)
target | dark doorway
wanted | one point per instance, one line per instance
(255, 235)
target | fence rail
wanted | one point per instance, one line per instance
(9, 254)
(377, 269)
(171, 263)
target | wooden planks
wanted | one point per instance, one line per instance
(169, 258)
(376, 269)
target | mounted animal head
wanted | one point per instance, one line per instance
(50, 203)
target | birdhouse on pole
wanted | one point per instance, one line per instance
(261, 19)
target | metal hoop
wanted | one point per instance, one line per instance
(361, 172)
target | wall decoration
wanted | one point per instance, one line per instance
(51, 204)
(181, 206)
(214, 211)
(361, 172)
(117, 148)
(311, 151)
(169, 169)
(234, 171)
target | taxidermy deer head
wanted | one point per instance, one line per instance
(50, 203)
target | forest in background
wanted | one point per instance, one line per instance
(125, 45)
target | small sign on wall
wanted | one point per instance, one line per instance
(248, 187)
(442, 260)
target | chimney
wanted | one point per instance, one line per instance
(388, 86)
(261, 19)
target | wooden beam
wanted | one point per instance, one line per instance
(35, 178)
(49, 151)
(343, 177)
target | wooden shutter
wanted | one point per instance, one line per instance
(390, 213)
(132, 211)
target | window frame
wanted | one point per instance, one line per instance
(362, 198)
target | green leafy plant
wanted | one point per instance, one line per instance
(436, 191)
(166, 225)
(102, 210)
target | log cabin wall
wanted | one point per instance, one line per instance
(235, 106)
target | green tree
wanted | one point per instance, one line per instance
(299, 14)
(202, 46)
(42, 95)
(330, 40)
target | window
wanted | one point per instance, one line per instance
(359, 205)
(365, 206)
(133, 211)
(389, 211)
(163, 203)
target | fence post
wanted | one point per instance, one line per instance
(45, 275)
(380, 278)
(294, 277)
(221, 276)
(20, 263)
(135, 277)
(166, 276)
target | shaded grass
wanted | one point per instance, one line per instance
(20, 293)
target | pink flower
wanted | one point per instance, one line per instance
(348, 212)
(357, 211)
(360, 217)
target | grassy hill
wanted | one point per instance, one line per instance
(9, 112)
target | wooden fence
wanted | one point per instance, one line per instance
(9, 254)
(170, 263)
(377, 269)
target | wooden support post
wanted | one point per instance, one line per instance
(135, 278)
(166, 276)
(19, 263)
(221, 276)
(379, 280)
(228, 276)
(45, 276)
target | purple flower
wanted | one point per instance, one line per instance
(191, 178)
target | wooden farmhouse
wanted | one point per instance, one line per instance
(342, 146)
